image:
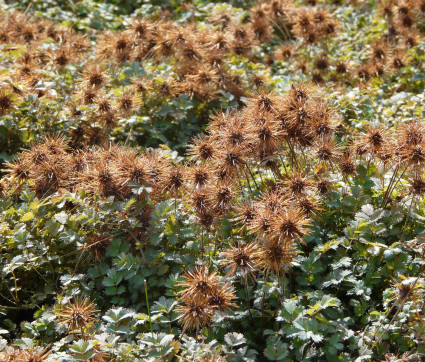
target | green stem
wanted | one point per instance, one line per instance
(147, 302)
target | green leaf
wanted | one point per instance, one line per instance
(278, 352)
(82, 351)
(164, 305)
(234, 339)
(28, 216)
(61, 218)
(108, 282)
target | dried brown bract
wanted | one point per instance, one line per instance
(348, 164)
(198, 176)
(417, 185)
(97, 245)
(379, 51)
(289, 224)
(198, 283)
(372, 140)
(277, 256)
(33, 354)
(128, 103)
(327, 150)
(243, 258)
(221, 196)
(17, 170)
(222, 298)
(79, 315)
(297, 184)
(7, 100)
(195, 313)
(94, 76)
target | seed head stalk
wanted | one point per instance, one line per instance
(147, 303)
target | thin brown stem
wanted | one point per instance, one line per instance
(283, 164)
(247, 181)
(390, 184)
(294, 156)
(202, 245)
(395, 185)
(407, 219)
(263, 301)
(253, 178)
(248, 305)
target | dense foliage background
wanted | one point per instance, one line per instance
(212, 181)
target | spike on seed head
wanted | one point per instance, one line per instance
(198, 283)
(277, 256)
(79, 315)
(246, 213)
(201, 149)
(6, 100)
(289, 224)
(417, 186)
(195, 313)
(323, 186)
(243, 257)
(222, 298)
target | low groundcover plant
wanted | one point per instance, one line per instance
(211, 181)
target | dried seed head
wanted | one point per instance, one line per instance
(220, 196)
(198, 283)
(297, 184)
(327, 150)
(323, 186)
(277, 256)
(6, 100)
(289, 224)
(79, 315)
(201, 149)
(308, 205)
(347, 164)
(198, 176)
(261, 223)
(417, 186)
(246, 213)
(172, 180)
(195, 313)
(243, 258)
(222, 298)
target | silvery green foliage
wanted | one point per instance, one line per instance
(341, 295)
